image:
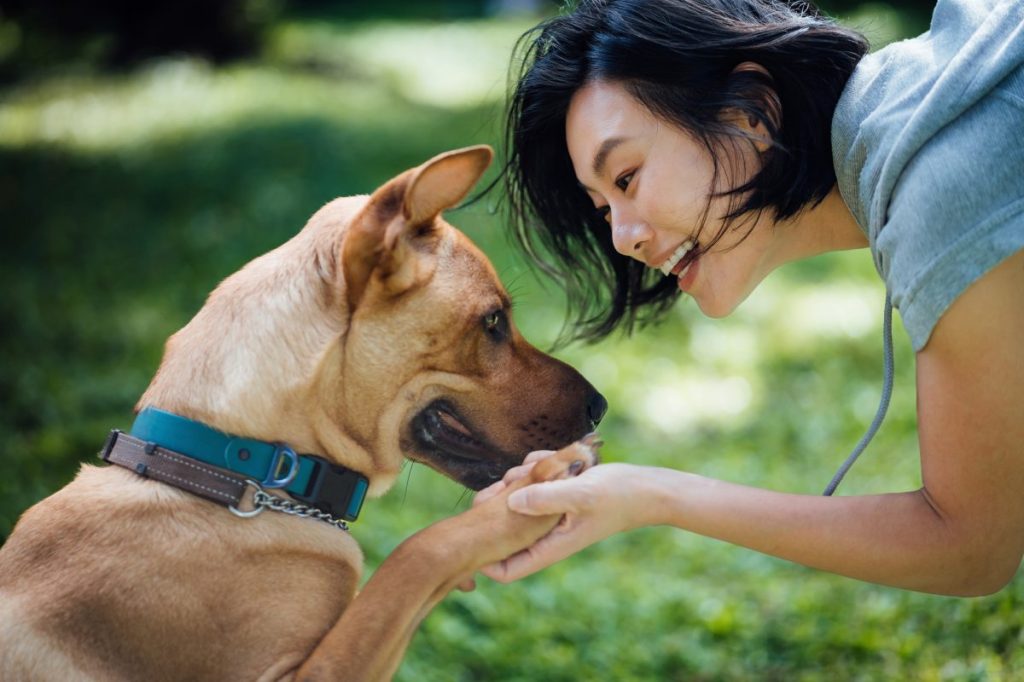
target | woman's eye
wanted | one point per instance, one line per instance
(623, 181)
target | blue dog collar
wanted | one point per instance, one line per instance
(311, 479)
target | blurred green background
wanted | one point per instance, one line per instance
(148, 151)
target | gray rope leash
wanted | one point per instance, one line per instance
(883, 404)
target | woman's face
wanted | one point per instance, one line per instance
(652, 181)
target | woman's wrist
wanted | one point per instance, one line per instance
(654, 495)
(671, 497)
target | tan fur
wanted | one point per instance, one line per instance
(334, 343)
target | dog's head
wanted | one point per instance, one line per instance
(431, 353)
(377, 334)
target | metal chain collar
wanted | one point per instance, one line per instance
(261, 500)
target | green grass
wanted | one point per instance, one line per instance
(126, 198)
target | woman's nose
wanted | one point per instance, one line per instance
(629, 236)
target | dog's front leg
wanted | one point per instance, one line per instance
(368, 641)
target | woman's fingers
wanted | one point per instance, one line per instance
(537, 455)
(496, 488)
(546, 498)
(560, 543)
(513, 474)
(489, 492)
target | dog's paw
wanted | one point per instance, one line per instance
(570, 461)
(491, 532)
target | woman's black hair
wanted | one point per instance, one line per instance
(679, 58)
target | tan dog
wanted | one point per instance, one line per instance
(377, 333)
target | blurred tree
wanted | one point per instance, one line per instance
(913, 6)
(37, 34)
(416, 9)
(916, 13)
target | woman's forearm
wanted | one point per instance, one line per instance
(896, 539)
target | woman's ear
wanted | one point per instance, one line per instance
(754, 83)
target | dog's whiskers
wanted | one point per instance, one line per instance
(462, 497)
(408, 478)
(513, 287)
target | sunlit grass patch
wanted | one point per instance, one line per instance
(440, 64)
(181, 98)
(372, 73)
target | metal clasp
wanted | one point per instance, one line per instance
(281, 453)
(257, 507)
(108, 445)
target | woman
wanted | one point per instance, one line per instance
(660, 147)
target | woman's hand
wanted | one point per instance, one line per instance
(597, 503)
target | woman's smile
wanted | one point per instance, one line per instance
(676, 259)
(687, 275)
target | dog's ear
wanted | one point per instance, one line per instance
(443, 182)
(396, 234)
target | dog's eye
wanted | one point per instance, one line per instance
(496, 324)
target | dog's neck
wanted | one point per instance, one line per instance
(254, 359)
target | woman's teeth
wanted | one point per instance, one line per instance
(676, 256)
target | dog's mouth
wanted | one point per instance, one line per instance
(444, 441)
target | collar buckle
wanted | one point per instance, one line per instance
(334, 490)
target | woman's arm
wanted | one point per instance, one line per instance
(970, 403)
(962, 533)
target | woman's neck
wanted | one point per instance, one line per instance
(829, 226)
(835, 223)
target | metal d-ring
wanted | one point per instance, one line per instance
(281, 453)
(256, 510)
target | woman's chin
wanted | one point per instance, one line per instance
(714, 312)
(714, 307)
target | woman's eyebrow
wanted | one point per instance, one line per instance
(603, 151)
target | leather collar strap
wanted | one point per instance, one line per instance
(152, 461)
(308, 478)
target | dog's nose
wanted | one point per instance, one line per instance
(597, 406)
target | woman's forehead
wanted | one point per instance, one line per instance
(604, 105)
(602, 116)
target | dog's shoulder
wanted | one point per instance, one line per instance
(114, 547)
